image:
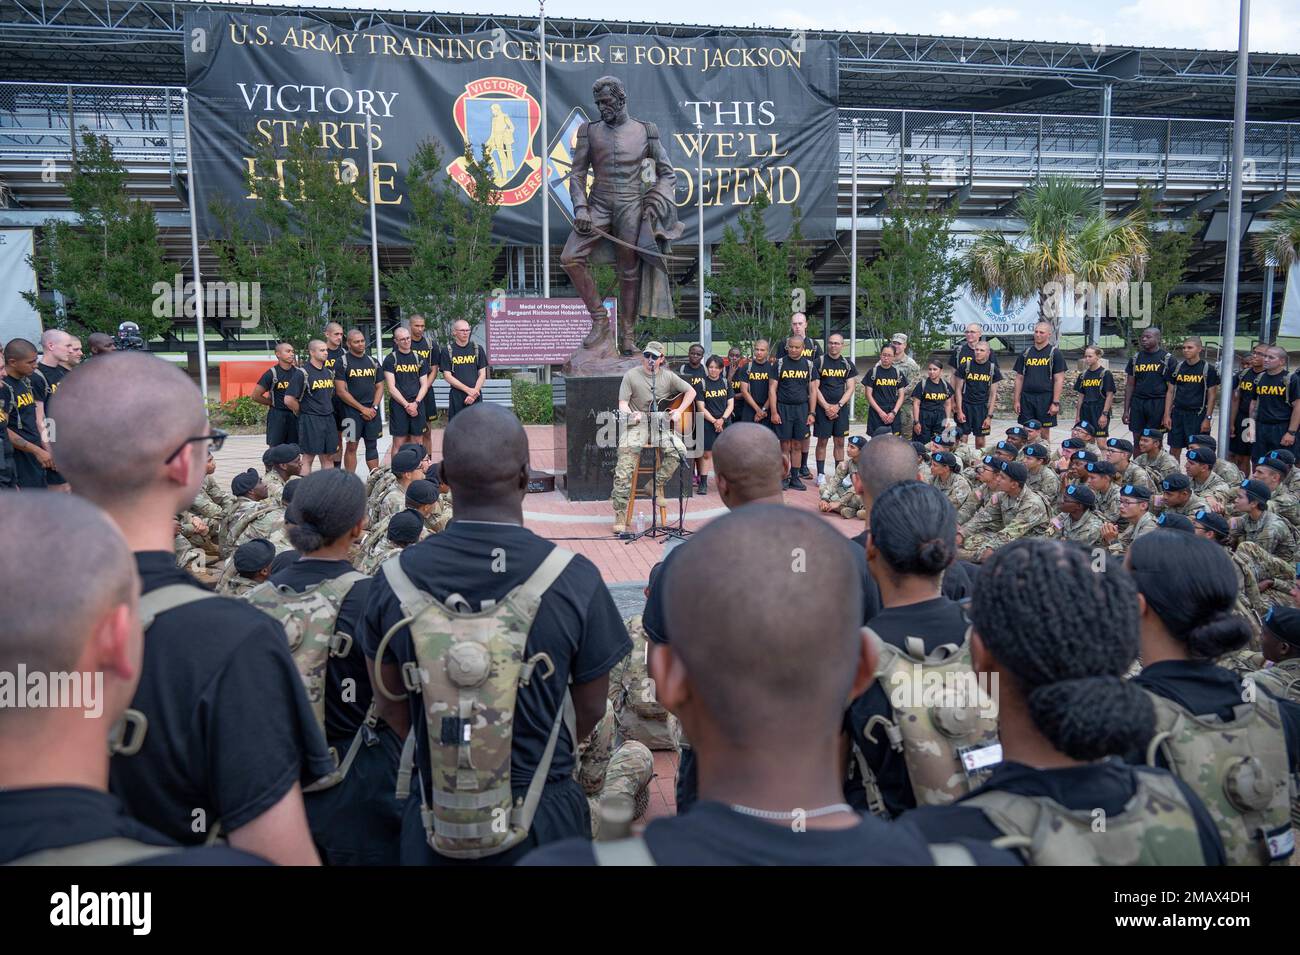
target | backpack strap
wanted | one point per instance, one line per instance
(158, 602)
(547, 572)
(623, 852)
(115, 850)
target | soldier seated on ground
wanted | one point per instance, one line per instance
(837, 494)
(1279, 642)
(252, 565)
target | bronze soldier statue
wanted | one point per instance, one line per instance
(629, 217)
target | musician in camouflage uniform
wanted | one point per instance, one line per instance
(1077, 520)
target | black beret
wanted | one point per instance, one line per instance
(1015, 470)
(1203, 455)
(1036, 451)
(1086, 426)
(920, 449)
(1170, 520)
(421, 492)
(948, 459)
(884, 432)
(281, 454)
(858, 441)
(404, 527)
(1212, 522)
(289, 490)
(1284, 623)
(1155, 433)
(253, 556)
(1283, 454)
(1120, 444)
(1256, 490)
(945, 439)
(1008, 447)
(243, 483)
(404, 461)
(1033, 424)
(1205, 440)
(1100, 467)
(1276, 463)
(1072, 444)
(1089, 457)
(1081, 493)
(1017, 432)
(1136, 491)
(1176, 481)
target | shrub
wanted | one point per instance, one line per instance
(533, 401)
(240, 412)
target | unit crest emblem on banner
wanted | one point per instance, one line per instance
(499, 116)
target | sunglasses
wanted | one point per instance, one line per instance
(216, 439)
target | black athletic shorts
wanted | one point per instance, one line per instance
(1090, 411)
(975, 417)
(317, 434)
(1235, 444)
(794, 422)
(53, 478)
(362, 430)
(29, 473)
(402, 425)
(281, 427)
(931, 425)
(710, 434)
(1145, 413)
(430, 405)
(339, 408)
(1184, 425)
(1034, 405)
(824, 427)
(874, 423)
(456, 402)
(1268, 437)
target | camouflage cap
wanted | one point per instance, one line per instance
(655, 348)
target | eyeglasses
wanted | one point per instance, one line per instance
(649, 356)
(216, 439)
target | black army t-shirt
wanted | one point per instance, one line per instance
(8, 472)
(55, 817)
(463, 362)
(45, 381)
(577, 625)
(693, 374)
(935, 622)
(714, 394)
(230, 727)
(1038, 366)
(1243, 382)
(1147, 370)
(22, 417)
(792, 375)
(1094, 386)
(759, 378)
(407, 370)
(932, 394)
(962, 358)
(1108, 785)
(277, 383)
(834, 375)
(347, 681)
(1192, 384)
(426, 350)
(361, 375)
(978, 380)
(885, 384)
(1273, 396)
(714, 834)
(332, 356)
(317, 390)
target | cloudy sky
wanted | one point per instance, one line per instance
(1194, 24)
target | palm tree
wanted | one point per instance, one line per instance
(1280, 240)
(1065, 235)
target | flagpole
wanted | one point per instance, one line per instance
(853, 271)
(374, 260)
(706, 328)
(546, 140)
(194, 248)
(1230, 264)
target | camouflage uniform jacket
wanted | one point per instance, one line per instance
(372, 561)
(393, 500)
(958, 492)
(1215, 488)
(1284, 504)
(1086, 530)
(1108, 504)
(1136, 475)
(1230, 473)
(1046, 482)
(1159, 467)
(1022, 516)
(1270, 532)
(840, 484)
(251, 520)
(212, 501)
(1194, 504)
(988, 518)
(1282, 679)
(968, 456)
(274, 486)
(1145, 525)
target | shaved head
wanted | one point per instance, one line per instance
(57, 531)
(748, 457)
(54, 337)
(884, 461)
(484, 450)
(119, 417)
(19, 349)
(769, 663)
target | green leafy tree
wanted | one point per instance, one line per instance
(1166, 268)
(303, 241)
(1280, 240)
(911, 285)
(450, 238)
(758, 283)
(104, 265)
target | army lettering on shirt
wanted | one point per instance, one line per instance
(1192, 383)
(45, 381)
(811, 350)
(792, 377)
(714, 394)
(759, 377)
(332, 356)
(1147, 371)
(693, 374)
(962, 358)
(23, 403)
(1094, 386)
(978, 378)
(407, 369)
(835, 374)
(317, 390)
(1039, 366)
(885, 385)
(463, 363)
(932, 394)
(1244, 383)
(427, 351)
(1272, 393)
(361, 375)
(277, 383)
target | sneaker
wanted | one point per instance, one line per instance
(797, 485)
(619, 529)
(704, 484)
(804, 472)
(821, 479)
(785, 484)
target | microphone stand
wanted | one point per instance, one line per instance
(656, 530)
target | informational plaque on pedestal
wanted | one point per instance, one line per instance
(537, 331)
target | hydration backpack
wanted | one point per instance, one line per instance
(468, 668)
(1156, 827)
(949, 745)
(1239, 769)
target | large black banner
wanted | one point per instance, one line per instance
(767, 106)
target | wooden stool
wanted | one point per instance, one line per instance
(637, 474)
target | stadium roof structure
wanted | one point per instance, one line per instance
(140, 41)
